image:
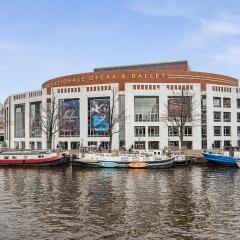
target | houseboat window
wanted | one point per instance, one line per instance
(6, 157)
(14, 157)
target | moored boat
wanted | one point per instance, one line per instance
(228, 158)
(44, 158)
(101, 160)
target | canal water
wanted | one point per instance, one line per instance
(64, 203)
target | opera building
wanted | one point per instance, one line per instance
(147, 94)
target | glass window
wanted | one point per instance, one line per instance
(75, 145)
(227, 117)
(153, 131)
(238, 117)
(146, 109)
(173, 144)
(187, 131)
(227, 143)
(217, 116)
(238, 103)
(140, 145)
(227, 131)
(217, 102)
(139, 131)
(35, 119)
(153, 145)
(238, 130)
(204, 132)
(217, 130)
(187, 144)
(19, 120)
(217, 144)
(226, 102)
(173, 131)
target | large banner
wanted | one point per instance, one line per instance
(99, 114)
(69, 115)
(178, 106)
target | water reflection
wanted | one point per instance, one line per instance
(65, 203)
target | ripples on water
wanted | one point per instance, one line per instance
(64, 203)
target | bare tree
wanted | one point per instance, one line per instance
(50, 119)
(180, 110)
(2, 116)
(116, 116)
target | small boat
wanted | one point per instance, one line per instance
(138, 165)
(101, 160)
(180, 158)
(43, 158)
(227, 158)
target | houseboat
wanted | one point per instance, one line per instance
(43, 158)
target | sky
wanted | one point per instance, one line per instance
(44, 39)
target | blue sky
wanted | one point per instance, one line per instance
(43, 39)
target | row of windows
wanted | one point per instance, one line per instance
(99, 88)
(19, 97)
(146, 87)
(217, 102)
(180, 87)
(69, 90)
(35, 94)
(157, 87)
(153, 131)
(217, 130)
(221, 89)
(217, 116)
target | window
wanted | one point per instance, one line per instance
(226, 102)
(140, 145)
(238, 116)
(217, 116)
(238, 103)
(187, 131)
(153, 131)
(217, 102)
(173, 131)
(19, 121)
(227, 117)
(139, 131)
(146, 109)
(153, 145)
(187, 144)
(227, 131)
(204, 132)
(217, 130)
(173, 144)
(35, 119)
(75, 145)
(238, 131)
(92, 143)
(217, 144)
(227, 143)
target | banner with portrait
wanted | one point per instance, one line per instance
(99, 114)
(69, 115)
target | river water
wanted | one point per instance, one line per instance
(64, 203)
